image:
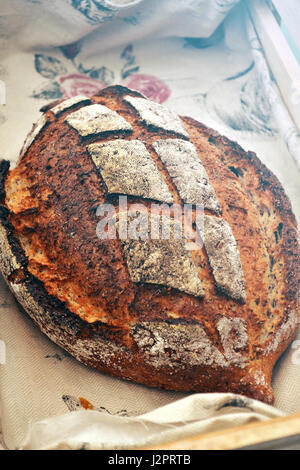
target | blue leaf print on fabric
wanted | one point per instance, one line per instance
(202, 43)
(48, 91)
(48, 67)
(130, 65)
(242, 73)
(127, 73)
(240, 102)
(93, 10)
(225, 5)
(103, 74)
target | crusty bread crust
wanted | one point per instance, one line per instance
(149, 333)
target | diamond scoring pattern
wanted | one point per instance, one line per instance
(128, 168)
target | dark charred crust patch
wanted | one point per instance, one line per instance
(221, 292)
(14, 243)
(17, 276)
(4, 168)
(155, 129)
(236, 170)
(122, 134)
(118, 91)
(48, 106)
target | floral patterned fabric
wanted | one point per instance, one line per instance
(199, 57)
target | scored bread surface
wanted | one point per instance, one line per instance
(214, 319)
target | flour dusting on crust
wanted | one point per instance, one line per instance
(69, 103)
(224, 257)
(127, 167)
(282, 333)
(156, 115)
(187, 172)
(96, 119)
(164, 262)
(173, 345)
(234, 337)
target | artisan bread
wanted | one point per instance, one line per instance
(210, 310)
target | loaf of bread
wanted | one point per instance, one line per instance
(150, 247)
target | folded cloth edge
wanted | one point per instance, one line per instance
(192, 415)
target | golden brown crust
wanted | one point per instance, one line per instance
(84, 297)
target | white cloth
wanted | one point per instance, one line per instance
(176, 52)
